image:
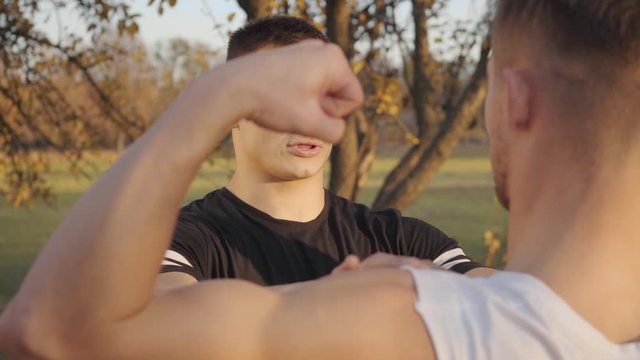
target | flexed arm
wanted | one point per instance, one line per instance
(94, 278)
(90, 292)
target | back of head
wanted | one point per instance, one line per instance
(590, 53)
(580, 28)
(271, 31)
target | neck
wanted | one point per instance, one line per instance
(294, 200)
(581, 236)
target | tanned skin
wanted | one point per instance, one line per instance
(76, 302)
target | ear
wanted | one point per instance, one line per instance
(518, 99)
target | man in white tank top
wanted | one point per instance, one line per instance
(563, 118)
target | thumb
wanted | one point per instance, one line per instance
(329, 129)
(351, 262)
(337, 106)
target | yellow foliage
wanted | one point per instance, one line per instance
(414, 140)
(493, 245)
(133, 29)
(358, 66)
(394, 110)
(387, 99)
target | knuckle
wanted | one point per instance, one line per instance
(333, 50)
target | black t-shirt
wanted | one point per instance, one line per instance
(221, 236)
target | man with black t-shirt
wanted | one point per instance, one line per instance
(274, 223)
(562, 103)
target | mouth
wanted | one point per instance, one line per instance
(304, 148)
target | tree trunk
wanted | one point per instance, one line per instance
(352, 175)
(255, 8)
(344, 157)
(338, 25)
(344, 162)
(426, 158)
(368, 140)
(424, 96)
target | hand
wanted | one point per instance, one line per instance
(304, 89)
(352, 262)
(389, 260)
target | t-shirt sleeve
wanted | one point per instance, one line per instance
(425, 241)
(189, 252)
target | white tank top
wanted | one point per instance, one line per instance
(506, 316)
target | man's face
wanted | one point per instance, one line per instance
(494, 115)
(279, 155)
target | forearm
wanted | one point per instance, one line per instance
(129, 213)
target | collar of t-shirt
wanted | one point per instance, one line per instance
(281, 225)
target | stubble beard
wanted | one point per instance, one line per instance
(501, 193)
(500, 179)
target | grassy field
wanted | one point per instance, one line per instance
(460, 201)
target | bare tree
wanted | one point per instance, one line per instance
(35, 111)
(443, 108)
(69, 95)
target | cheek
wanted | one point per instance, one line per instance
(269, 151)
(493, 114)
(489, 112)
(263, 152)
(264, 143)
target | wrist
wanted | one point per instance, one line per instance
(237, 82)
(204, 113)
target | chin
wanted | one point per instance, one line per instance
(304, 173)
(290, 174)
(305, 169)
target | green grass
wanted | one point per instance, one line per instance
(460, 201)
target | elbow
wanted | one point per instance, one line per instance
(15, 338)
(25, 335)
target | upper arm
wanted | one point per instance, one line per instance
(357, 315)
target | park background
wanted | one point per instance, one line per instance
(81, 79)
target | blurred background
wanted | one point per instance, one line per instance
(81, 79)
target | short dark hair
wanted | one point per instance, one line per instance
(274, 30)
(592, 51)
(584, 28)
